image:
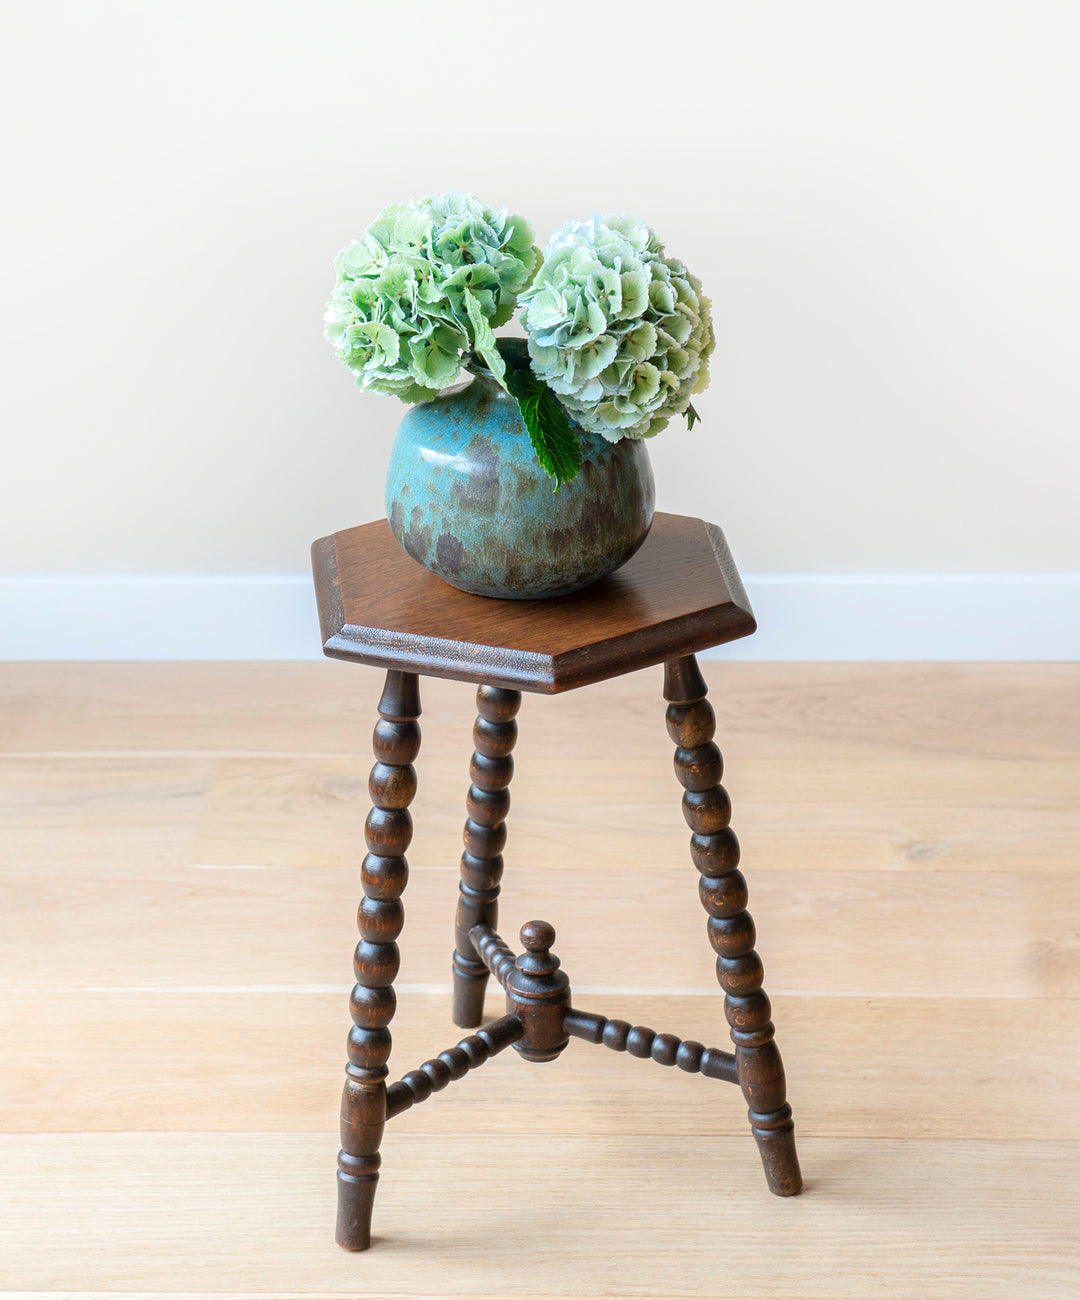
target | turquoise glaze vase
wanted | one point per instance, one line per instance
(467, 499)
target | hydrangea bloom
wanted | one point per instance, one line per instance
(619, 331)
(427, 281)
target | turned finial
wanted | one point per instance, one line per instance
(538, 993)
(537, 938)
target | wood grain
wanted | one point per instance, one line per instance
(794, 812)
(952, 1219)
(860, 1067)
(679, 593)
(179, 851)
(831, 933)
(1021, 713)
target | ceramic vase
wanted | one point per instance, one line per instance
(467, 498)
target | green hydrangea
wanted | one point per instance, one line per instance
(619, 331)
(426, 282)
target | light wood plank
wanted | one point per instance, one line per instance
(799, 812)
(243, 1212)
(1017, 711)
(990, 935)
(790, 813)
(957, 814)
(235, 1062)
(909, 835)
(56, 811)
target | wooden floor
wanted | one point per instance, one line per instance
(178, 876)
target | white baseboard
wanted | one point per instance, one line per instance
(917, 617)
(1032, 617)
(197, 616)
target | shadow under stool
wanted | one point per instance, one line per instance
(679, 594)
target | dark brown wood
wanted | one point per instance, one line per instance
(487, 804)
(715, 852)
(418, 1085)
(384, 874)
(664, 1049)
(535, 986)
(537, 991)
(680, 593)
(495, 954)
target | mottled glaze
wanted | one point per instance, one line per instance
(467, 499)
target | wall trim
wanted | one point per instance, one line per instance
(984, 616)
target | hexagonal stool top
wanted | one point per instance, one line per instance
(679, 594)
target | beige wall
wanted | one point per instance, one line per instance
(881, 197)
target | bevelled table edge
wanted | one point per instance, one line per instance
(725, 562)
(522, 669)
(651, 646)
(429, 656)
(327, 589)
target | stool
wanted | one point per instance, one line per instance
(679, 594)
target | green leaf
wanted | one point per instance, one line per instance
(692, 416)
(515, 352)
(484, 341)
(555, 443)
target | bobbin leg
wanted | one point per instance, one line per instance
(487, 804)
(384, 873)
(715, 851)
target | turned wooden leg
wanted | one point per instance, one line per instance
(487, 804)
(384, 874)
(715, 852)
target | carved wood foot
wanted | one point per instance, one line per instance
(384, 874)
(715, 852)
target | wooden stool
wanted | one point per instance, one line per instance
(679, 594)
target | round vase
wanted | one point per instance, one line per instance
(467, 498)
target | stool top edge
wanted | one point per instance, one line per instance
(680, 594)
